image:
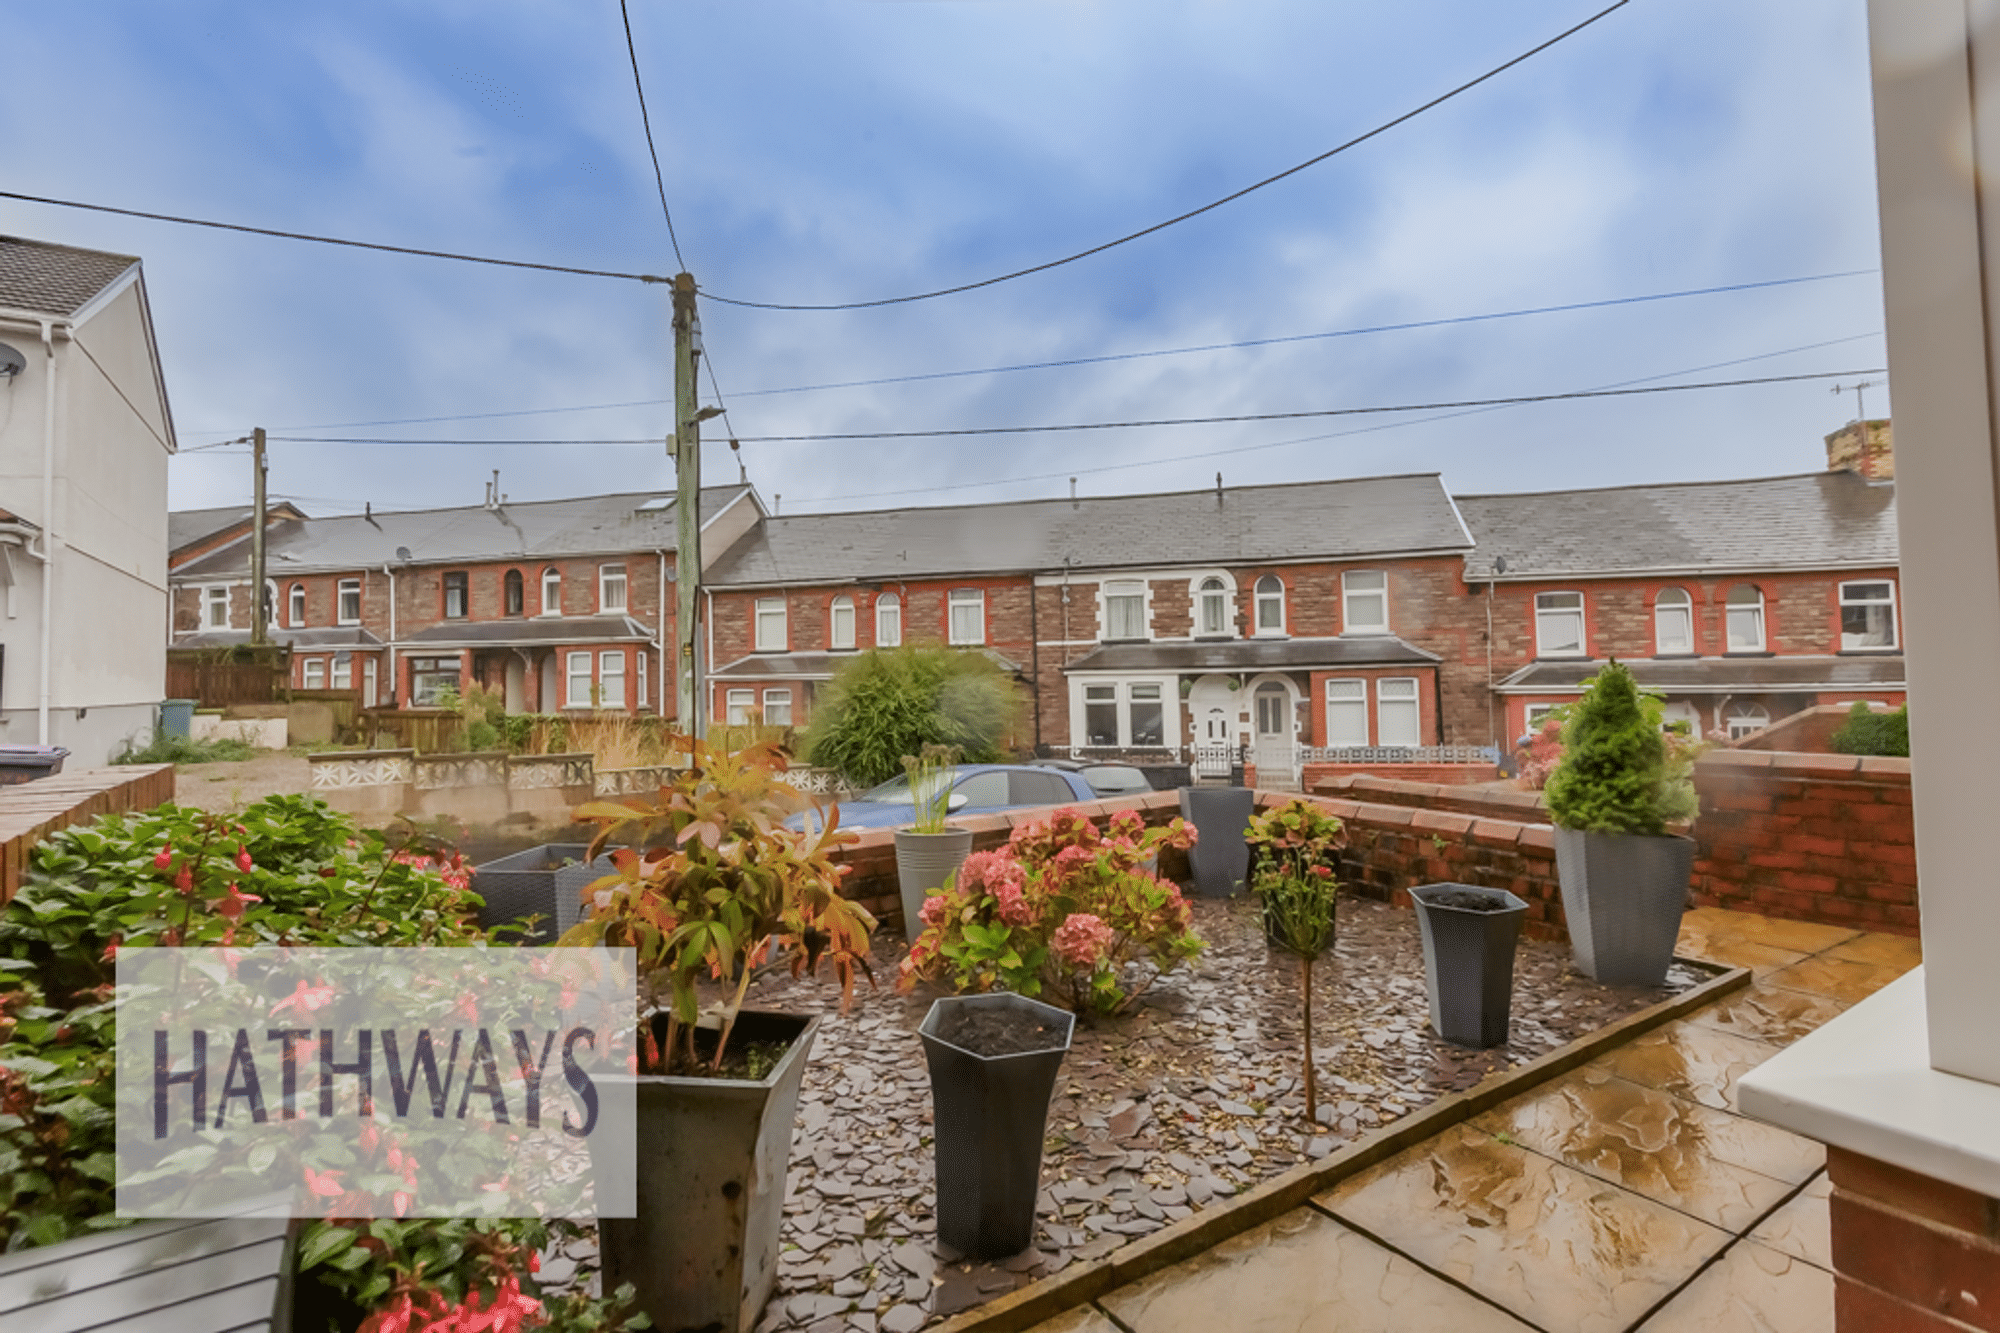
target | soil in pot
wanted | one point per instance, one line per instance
(1470, 902)
(992, 1032)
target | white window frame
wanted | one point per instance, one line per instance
(340, 594)
(1664, 612)
(1745, 719)
(639, 677)
(1731, 609)
(1389, 694)
(1225, 598)
(1846, 645)
(1122, 696)
(888, 621)
(972, 602)
(775, 699)
(215, 598)
(551, 591)
(1351, 705)
(612, 590)
(1532, 715)
(295, 605)
(1259, 595)
(1124, 591)
(1351, 592)
(772, 624)
(312, 673)
(840, 624)
(611, 678)
(576, 671)
(737, 706)
(340, 676)
(464, 577)
(1549, 614)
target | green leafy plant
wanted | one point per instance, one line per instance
(709, 884)
(1062, 908)
(166, 749)
(1614, 775)
(891, 702)
(1293, 849)
(931, 772)
(1869, 732)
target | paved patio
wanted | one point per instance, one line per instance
(1626, 1195)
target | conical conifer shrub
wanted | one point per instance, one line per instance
(1613, 762)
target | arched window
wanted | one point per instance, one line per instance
(297, 610)
(1743, 719)
(270, 601)
(512, 595)
(1673, 622)
(888, 620)
(1270, 605)
(552, 591)
(1211, 610)
(839, 628)
(1744, 617)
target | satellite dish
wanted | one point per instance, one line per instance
(12, 362)
(403, 554)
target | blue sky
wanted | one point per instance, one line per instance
(835, 150)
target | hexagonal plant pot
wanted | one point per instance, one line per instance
(1623, 895)
(1469, 936)
(1220, 858)
(526, 884)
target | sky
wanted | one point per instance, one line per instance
(832, 151)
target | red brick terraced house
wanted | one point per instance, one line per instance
(559, 604)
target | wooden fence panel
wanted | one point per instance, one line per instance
(219, 683)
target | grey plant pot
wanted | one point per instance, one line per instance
(923, 862)
(525, 884)
(989, 1114)
(1469, 962)
(571, 881)
(712, 1161)
(1220, 859)
(1623, 895)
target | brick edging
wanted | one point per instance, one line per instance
(1030, 1305)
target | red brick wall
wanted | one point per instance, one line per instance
(1911, 1254)
(1387, 786)
(1808, 837)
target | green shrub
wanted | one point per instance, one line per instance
(165, 749)
(1614, 776)
(891, 702)
(1869, 732)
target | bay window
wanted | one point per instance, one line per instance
(738, 705)
(576, 674)
(430, 678)
(778, 708)
(611, 679)
(313, 673)
(343, 671)
(1125, 714)
(1397, 721)
(1346, 712)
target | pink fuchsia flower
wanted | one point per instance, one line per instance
(231, 904)
(164, 860)
(304, 1000)
(243, 861)
(327, 1186)
(185, 880)
(1082, 940)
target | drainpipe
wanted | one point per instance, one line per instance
(660, 633)
(48, 553)
(700, 721)
(1492, 731)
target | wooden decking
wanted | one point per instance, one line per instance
(30, 811)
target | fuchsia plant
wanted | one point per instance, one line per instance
(1064, 905)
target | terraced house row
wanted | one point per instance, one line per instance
(1293, 620)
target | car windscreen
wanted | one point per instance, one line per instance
(896, 791)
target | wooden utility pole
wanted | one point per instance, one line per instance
(687, 509)
(260, 612)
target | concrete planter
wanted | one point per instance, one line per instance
(1220, 859)
(712, 1160)
(1623, 895)
(1469, 961)
(923, 862)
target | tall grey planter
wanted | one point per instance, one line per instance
(989, 1114)
(712, 1160)
(525, 884)
(1220, 858)
(1469, 961)
(923, 862)
(571, 881)
(1623, 895)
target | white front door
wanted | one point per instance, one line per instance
(1277, 751)
(1212, 708)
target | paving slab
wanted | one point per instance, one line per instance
(1688, 1060)
(1847, 980)
(1766, 1013)
(1801, 1227)
(1752, 1289)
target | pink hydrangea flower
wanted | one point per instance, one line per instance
(933, 911)
(1082, 940)
(1013, 905)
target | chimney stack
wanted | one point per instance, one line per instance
(1864, 447)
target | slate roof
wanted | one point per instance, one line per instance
(529, 631)
(1723, 675)
(813, 666)
(588, 525)
(1818, 520)
(324, 636)
(1251, 525)
(1254, 654)
(51, 279)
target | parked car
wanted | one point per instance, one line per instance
(1104, 779)
(976, 789)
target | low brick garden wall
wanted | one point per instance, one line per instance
(1313, 776)
(1487, 802)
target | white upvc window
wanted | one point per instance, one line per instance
(215, 608)
(771, 625)
(1397, 719)
(1364, 602)
(552, 591)
(1124, 610)
(738, 705)
(1559, 624)
(1673, 622)
(343, 671)
(312, 673)
(1211, 607)
(967, 615)
(1534, 713)
(295, 611)
(639, 687)
(1743, 618)
(1744, 719)
(778, 708)
(1347, 712)
(611, 678)
(840, 623)
(347, 602)
(1270, 605)
(577, 676)
(610, 589)
(1125, 714)
(1867, 615)
(888, 620)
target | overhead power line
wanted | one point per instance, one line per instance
(1210, 207)
(659, 178)
(1112, 425)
